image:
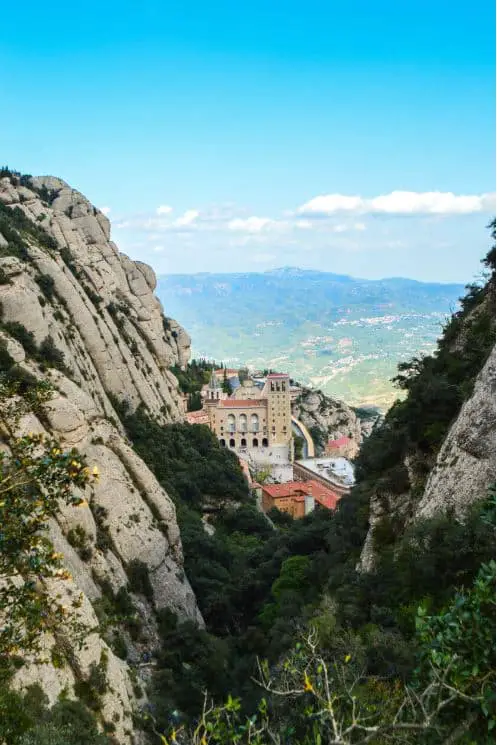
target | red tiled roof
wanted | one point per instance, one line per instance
(233, 403)
(299, 489)
(196, 417)
(228, 371)
(278, 375)
(338, 443)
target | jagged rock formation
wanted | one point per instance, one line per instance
(327, 417)
(98, 308)
(461, 475)
(103, 314)
(466, 462)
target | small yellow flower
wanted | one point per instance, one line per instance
(95, 472)
(307, 684)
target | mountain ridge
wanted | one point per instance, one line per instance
(334, 332)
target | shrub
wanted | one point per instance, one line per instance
(139, 579)
(49, 354)
(46, 284)
(23, 336)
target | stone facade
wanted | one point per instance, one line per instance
(259, 418)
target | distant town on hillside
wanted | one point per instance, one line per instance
(340, 334)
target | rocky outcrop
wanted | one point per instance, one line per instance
(465, 466)
(328, 417)
(463, 472)
(101, 310)
(69, 284)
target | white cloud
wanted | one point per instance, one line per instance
(158, 249)
(187, 218)
(359, 226)
(164, 209)
(303, 224)
(399, 203)
(105, 210)
(429, 203)
(328, 204)
(250, 224)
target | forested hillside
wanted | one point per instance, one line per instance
(144, 598)
(402, 652)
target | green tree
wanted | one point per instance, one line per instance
(226, 384)
(34, 475)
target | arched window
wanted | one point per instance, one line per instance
(232, 443)
(231, 423)
(242, 422)
(255, 442)
(243, 443)
(264, 442)
(254, 423)
(222, 443)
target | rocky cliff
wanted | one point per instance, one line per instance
(101, 310)
(463, 471)
(435, 452)
(465, 465)
(327, 419)
(82, 316)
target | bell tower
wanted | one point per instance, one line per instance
(279, 410)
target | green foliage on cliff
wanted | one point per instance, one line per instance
(261, 589)
(26, 719)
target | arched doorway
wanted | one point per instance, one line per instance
(255, 442)
(231, 423)
(232, 443)
(243, 443)
(222, 443)
(264, 442)
(242, 423)
(254, 423)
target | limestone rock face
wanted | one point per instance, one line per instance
(465, 466)
(98, 308)
(125, 517)
(462, 474)
(332, 417)
(102, 313)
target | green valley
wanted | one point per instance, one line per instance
(342, 335)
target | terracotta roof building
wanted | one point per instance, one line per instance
(298, 498)
(197, 417)
(342, 446)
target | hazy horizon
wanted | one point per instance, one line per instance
(308, 269)
(357, 138)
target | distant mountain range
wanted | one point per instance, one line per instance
(331, 331)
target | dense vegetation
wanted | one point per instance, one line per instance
(402, 654)
(260, 589)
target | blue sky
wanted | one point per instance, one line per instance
(355, 137)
